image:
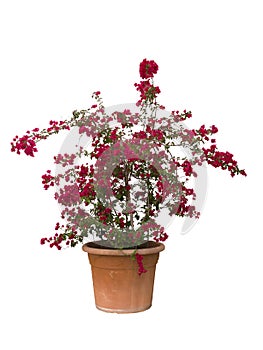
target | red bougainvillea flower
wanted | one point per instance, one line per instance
(25, 144)
(47, 180)
(148, 69)
(148, 91)
(139, 259)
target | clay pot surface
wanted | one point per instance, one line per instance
(117, 285)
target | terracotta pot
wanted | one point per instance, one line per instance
(117, 285)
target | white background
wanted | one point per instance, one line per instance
(54, 54)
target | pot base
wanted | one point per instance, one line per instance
(124, 311)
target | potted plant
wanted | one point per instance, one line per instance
(122, 173)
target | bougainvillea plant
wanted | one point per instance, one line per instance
(114, 184)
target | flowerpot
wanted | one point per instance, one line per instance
(117, 285)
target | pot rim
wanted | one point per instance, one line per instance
(95, 248)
